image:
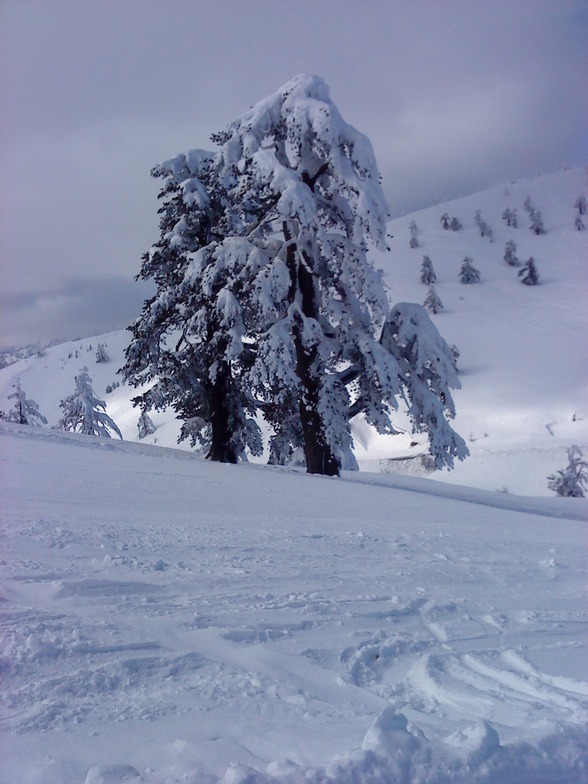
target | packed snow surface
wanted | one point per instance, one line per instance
(166, 619)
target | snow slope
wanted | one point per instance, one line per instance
(524, 354)
(166, 619)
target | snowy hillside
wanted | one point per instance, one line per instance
(167, 619)
(523, 352)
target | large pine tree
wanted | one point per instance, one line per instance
(266, 300)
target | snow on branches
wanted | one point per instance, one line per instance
(266, 299)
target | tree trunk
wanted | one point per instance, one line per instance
(320, 458)
(221, 450)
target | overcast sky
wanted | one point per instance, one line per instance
(455, 95)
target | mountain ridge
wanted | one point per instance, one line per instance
(522, 362)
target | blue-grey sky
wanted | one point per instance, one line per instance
(455, 96)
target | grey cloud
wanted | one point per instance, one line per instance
(80, 308)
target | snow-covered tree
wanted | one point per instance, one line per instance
(455, 225)
(25, 411)
(84, 413)
(145, 425)
(510, 218)
(537, 226)
(445, 221)
(468, 273)
(483, 227)
(428, 275)
(433, 301)
(455, 355)
(578, 222)
(101, 353)
(187, 345)
(510, 254)
(414, 230)
(573, 479)
(528, 273)
(427, 369)
(528, 205)
(580, 204)
(266, 300)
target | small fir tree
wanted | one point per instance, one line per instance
(537, 226)
(445, 221)
(84, 413)
(145, 425)
(455, 225)
(483, 227)
(433, 301)
(510, 254)
(25, 411)
(572, 480)
(468, 273)
(579, 223)
(510, 218)
(528, 205)
(580, 204)
(414, 230)
(455, 355)
(428, 275)
(528, 273)
(101, 353)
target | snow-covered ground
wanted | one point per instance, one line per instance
(165, 619)
(172, 620)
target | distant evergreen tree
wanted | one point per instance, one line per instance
(101, 353)
(483, 227)
(510, 218)
(579, 223)
(580, 204)
(537, 226)
(455, 225)
(84, 413)
(572, 480)
(455, 354)
(414, 230)
(428, 275)
(510, 254)
(528, 273)
(445, 221)
(433, 302)
(25, 411)
(468, 273)
(145, 425)
(528, 205)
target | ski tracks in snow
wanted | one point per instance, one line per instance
(440, 636)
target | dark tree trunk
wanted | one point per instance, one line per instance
(221, 450)
(320, 458)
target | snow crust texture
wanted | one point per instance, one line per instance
(166, 619)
